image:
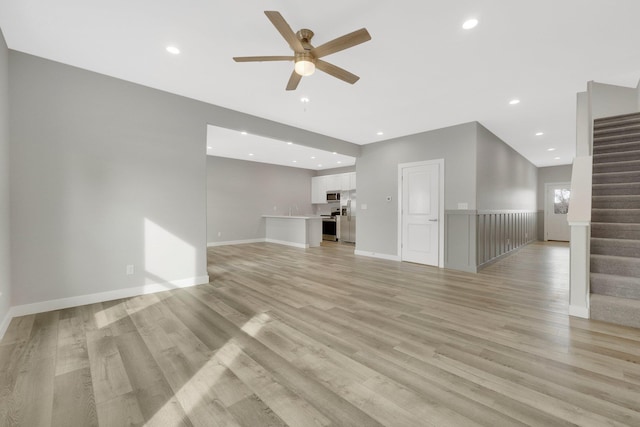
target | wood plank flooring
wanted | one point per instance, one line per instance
(319, 337)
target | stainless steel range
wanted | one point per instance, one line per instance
(329, 228)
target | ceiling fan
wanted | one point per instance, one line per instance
(305, 56)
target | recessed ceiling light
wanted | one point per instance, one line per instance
(556, 158)
(335, 152)
(313, 157)
(209, 148)
(551, 149)
(304, 99)
(295, 161)
(338, 162)
(243, 133)
(319, 166)
(289, 143)
(539, 133)
(173, 50)
(470, 23)
(251, 154)
(380, 133)
(514, 102)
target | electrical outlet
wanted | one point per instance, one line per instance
(130, 270)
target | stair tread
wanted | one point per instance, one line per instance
(630, 226)
(616, 258)
(631, 210)
(621, 311)
(611, 154)
(629, 126)
(617, 197)
(625, 173)
(603, 121)
(617, 278)
(617, 184)
(612, 241)
(598, 141)
(630, 162)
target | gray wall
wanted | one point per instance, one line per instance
(106, 173)
(5, 276)
(505, 179)
(240, 192)
(377, 177)
(611, 100)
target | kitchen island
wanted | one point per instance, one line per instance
(298, 231)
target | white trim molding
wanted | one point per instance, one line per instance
(235, 242)
(377, 255)
(283, 242)
(5, 324)
(577, 311)
(61, 303)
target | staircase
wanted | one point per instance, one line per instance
(615, 221)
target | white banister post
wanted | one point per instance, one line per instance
(579, 270)
(579, 217)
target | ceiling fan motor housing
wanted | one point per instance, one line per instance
(305, 35)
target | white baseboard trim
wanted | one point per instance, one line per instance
(234, 242)
(5, 323)
(283, 242)
(377, 255)
(61, 303)
(577, 311)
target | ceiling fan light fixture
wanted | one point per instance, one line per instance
(305, 67)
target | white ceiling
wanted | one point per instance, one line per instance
(420, 71)
(241, 145)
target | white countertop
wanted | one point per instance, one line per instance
(291, 217)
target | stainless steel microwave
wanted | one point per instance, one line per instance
(333, 196)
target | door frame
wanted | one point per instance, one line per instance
(440, 163)
(548, 185)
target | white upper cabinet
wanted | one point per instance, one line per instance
(333, 182)
(339, 182)
(319, 189)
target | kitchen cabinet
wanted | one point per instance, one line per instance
(333, 182)
(338, 182)
(347, 181)
(298, 231)
(319, 189)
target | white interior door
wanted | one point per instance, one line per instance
(420, 214)
(556, 207)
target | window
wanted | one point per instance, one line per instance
(561, 201)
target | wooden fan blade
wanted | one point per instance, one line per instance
(342, 43)
(337, 72)
(294, 80)
(285, 30)
(262, 58)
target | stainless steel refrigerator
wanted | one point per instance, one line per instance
(348, 216)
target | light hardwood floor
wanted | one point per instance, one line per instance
(320, 337)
